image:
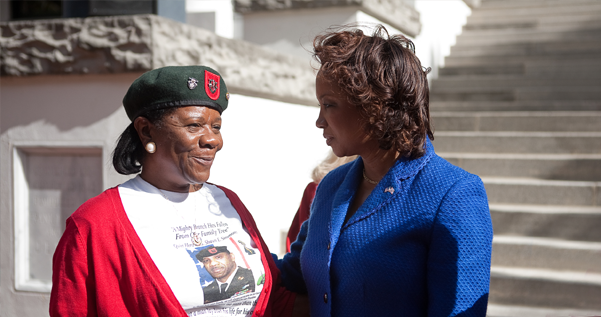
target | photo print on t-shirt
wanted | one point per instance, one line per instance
(225, 270)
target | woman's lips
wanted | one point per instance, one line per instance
(328, 140)
(205, 160)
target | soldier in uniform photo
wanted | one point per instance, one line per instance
(230, 279)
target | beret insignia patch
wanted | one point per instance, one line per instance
(192, 83)
(212, 250)
(212, 85)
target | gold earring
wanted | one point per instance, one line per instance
(151, 147)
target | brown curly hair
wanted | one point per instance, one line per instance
(381, 75)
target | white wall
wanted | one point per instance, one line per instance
(293, 31)
(270, 149)
(224, 14)
(442, 21)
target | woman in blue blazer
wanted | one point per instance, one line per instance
(399, 231)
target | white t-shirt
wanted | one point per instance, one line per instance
(175, 227)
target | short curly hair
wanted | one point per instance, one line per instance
(381, 75)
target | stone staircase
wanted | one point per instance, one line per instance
(519, 103)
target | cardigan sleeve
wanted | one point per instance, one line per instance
(72, 289)
(291, 274)
(460, 251)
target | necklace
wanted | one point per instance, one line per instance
(373, 182)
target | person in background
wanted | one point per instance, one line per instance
(132, 250)
(331, 162)
(399, 231)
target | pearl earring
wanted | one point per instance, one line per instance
(151, 147)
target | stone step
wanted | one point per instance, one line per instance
(574, 223)
(514, 190)
(495, 310)
(483, 83)
(582, 167)
(516, 94)
(533, 8)
(578, 59)
(545, 288)
(518, 142)
(525, 49)
(564, 22)
(494, 70)
(530, 27)
(526, 36)
(495, 4)
(466, 93)
(501, 20)
(542, 68)
(516, 105)
(552, 121)
(546, 253)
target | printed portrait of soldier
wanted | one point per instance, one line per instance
(230, 279)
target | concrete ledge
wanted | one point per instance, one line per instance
(509, 106)
(396, 13)
(142, 42)
(518, 142)
(520, 311)
(557, 121)
(574, 223)
(537, 191)
(546, 253)
(548, 288)
(544, 166)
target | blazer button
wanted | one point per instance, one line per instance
(325, 298)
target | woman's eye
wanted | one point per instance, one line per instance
(193, 126)
(217, 127)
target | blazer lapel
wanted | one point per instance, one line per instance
(391, 185)
(341, 202)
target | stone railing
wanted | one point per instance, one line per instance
(139, 43)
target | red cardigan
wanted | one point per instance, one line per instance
(101, 268)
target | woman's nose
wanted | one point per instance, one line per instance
(320, 122)
(210, 140)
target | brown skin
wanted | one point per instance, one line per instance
(186, 144)
(344, 129)
(220, 265)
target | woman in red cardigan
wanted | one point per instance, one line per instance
(166, 242)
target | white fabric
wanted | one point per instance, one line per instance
(169, 224)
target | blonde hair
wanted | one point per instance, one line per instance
(331, 162)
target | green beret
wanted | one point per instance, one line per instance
(210, 251)
(176, 86)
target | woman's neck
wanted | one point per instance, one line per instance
(377, 163)
(165, 184)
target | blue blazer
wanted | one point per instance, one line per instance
(420, 245)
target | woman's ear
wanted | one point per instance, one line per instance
(143, 126)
